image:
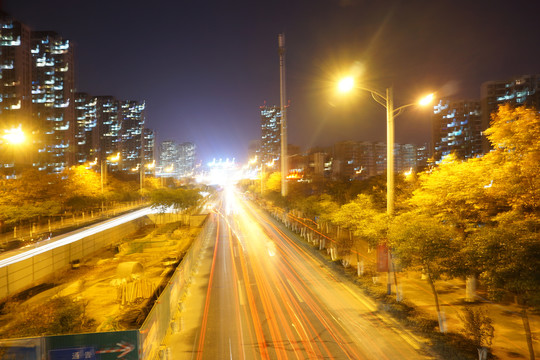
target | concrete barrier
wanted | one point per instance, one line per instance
(26, 273)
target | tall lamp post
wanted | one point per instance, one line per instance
(103, 164)
(387, 101)
(283, 122)
(268, 165)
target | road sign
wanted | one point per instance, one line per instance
(86, 353)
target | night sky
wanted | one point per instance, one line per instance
(205, 66)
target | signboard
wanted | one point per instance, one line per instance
(20, 349)
(94, 346)
(382, 258)
(73, 354)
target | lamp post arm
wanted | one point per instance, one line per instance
(379, 99)
(373, 92)
(400, 109)
(377, 96)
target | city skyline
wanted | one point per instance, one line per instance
(204, 69)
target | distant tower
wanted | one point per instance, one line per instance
(270, 148)
(283, 97)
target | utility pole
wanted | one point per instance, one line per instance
(141, 169)
(283, 127)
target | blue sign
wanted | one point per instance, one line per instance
(86, 353)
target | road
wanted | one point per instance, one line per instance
(259, 294)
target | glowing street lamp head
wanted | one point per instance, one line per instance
(14, 136)
(151, 165)
(345, 85)
(426, 100)
(114, 158)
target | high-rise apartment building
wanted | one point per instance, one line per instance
(53, 84)
(169, 158)
(15, 93)
(362, 160)
(37, 93)
(132, 140)
(15, 74)
(177, 160)
(423, 157)
(108, 125)
(187, 152)
(270, 133)
(457, 128)
(405, 157)
(149, 144)
(522, 90)
(346, 159)
(86, 136)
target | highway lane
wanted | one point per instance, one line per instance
(269, 297)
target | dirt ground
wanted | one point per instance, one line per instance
(115, 296)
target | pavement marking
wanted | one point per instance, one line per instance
(295, 292)
(241, 297)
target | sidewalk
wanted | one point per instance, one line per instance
(182, 341)
(509, 340)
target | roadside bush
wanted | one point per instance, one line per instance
(59, 315)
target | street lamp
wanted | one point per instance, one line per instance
(103, 164)
(169, 169)
(151, 165)
(269, 165)
(347, 84)
(13, 137)
(387, 101)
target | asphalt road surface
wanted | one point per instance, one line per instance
(260, 294)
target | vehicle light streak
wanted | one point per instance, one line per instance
(273, 299)
(305, 291)
(76, 236)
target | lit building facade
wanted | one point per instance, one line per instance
(354, 160)
(457, 128)
(108, 125)
(270, 133)
(132, 139)
(86, 137)
(522, 90)
(187, 152)
(405, 157)
(169, 159)
(15, 73)
(149, 147)
(177, 160)
(37, 93)
(53, 85)
(15, 91)
(346, 159)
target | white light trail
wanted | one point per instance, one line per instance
(76, 236)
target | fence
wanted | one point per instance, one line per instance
(141, 344)
(339, 242)
(162, 316)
